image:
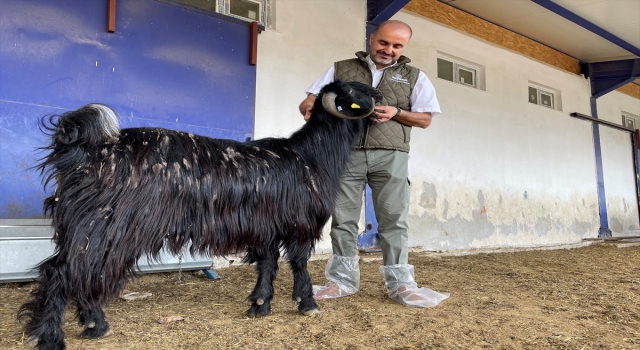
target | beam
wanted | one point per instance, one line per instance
(111, 16)
(604, 230)
(379, 11)
(253, 43)
(608, 76)
(563, 12)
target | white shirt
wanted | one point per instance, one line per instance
(423, 96)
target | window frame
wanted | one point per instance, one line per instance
(457, 66)
(629, 116)
(226, 10)
(539, 93)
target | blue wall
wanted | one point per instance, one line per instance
(164, 66)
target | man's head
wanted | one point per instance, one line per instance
(388, 42)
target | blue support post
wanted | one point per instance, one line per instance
(604, 230)
(378, 11)
(369, 239)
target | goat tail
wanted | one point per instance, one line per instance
(71, 134)
(92, 124)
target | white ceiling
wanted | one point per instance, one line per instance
(619, 17)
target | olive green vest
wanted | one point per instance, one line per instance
(396, 85)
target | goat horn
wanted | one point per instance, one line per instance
(329, 104)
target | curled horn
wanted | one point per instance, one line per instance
(329, 104)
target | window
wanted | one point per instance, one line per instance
(455, 72)
(630, 121)
(245, 8)
(541, 97)
(248, 10)
(460, 71)
(544, 96)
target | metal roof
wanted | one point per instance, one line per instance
(589, 30)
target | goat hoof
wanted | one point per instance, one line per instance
(312, 312)
(95, 332)
(259, 310)
(298, 299)
(260, 301)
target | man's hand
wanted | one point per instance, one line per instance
(307, 113)
(384, 113)
(306, 107)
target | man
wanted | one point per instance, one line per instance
(381, 160)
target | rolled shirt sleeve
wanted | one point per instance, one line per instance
(423, 97)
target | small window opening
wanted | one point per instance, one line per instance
(457, 72)
(630, 121)
(248, 10)
(541, 97)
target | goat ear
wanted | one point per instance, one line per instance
(329, 104)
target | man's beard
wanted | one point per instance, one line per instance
(379, 60)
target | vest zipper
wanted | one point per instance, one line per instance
(404, 133)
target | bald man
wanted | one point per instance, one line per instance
(381, 160)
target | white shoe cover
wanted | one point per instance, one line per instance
(402, 288)
(343, 274)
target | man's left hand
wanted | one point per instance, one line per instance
(382, 114)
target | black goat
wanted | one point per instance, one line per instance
(124, 193)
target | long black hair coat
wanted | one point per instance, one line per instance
(122, 193)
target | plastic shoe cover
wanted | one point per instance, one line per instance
(402, 288)
(343, 274)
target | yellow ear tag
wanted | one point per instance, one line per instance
(354, 106)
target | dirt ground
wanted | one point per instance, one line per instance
(583, 298)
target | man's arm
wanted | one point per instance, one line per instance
(306, 107)
(417, 119)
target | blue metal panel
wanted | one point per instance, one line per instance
(369, 239)
(561, 11)
(604, 230)
(164, 66)
(608, 76)
(378, 11)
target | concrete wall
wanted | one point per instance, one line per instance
(611, 106)
(617, 164)
(493, 170)
(308, 37)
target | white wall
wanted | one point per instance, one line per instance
(493, 170)
(619, 179)
(617, 164)
(310, 35)
(611, 106)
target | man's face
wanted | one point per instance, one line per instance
(388, 44)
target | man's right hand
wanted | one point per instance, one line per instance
(306, 107)
(307, 113)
